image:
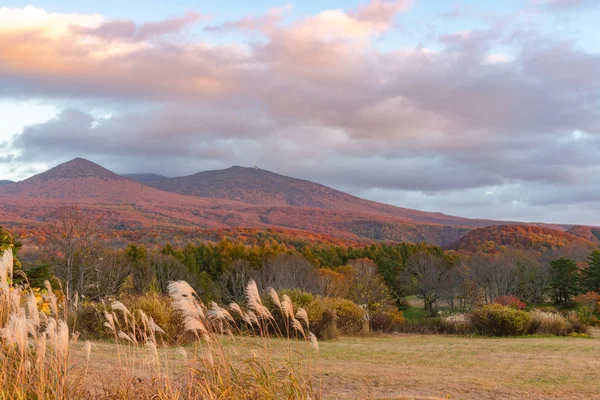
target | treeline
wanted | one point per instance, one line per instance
(371, 275)
(86, 265)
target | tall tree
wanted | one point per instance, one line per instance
(74, 249)
(564, 279)
(429, 274)
(590, 281)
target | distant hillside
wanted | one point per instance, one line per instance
(490, 239)
(586, 232)
(120, 202)
(124, 204)
(234, 198)
(5, 182)
(146, 179)
(264, 188)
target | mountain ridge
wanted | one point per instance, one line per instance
(265, 188)
(237, 197)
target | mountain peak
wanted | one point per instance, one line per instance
(75, 168)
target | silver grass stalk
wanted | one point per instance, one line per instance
(62, 343)
(117, 305)
(253, 296)
(52, 298)
(235, 307)
(209, 358)
(153, 351)
(274, 297)
(252, 317)
(303, 315)
(6, 266)
(214, 311)
(124, 336)
(298, 326)
(32, 311)
(16, 332)
(87, 349)
(181, 289)
(314, 343)
(40, 349)
(110, 322)
(154, 327)
(51, 331)
(287, 306)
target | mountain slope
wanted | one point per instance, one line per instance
(264, 188)
(119, 201)
(490, 239)
(233, 198)
(124, 204)
(146, 179)
(5, 182)
(586, 232)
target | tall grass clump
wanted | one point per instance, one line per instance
(34, 346)
(550, 323)
(237, 352)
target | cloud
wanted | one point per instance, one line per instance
(564, 5)
(497, 109)
(260, 23)
(127, 30)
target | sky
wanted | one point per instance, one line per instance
(473, 108)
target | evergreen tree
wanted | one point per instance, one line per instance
(591, 276)
(564, 279)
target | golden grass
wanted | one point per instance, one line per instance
(423, 366)
(38, 360)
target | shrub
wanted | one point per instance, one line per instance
(329, 317)
(350, 318)
(588, 305)
(498, 320)
(323, 320)
(89, 320)
(550, 323)
(510, 301)
(159, 308)
(577, 326)
(386, 321)
(299, 297)
(459, 324)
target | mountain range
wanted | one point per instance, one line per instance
(236, 197)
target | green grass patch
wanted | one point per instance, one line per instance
(414, 313)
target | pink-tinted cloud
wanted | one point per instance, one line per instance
(381, 11)
(128, 30)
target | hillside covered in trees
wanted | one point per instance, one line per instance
(492, 239)
(235, 198)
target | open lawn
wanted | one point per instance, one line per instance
(428, 366)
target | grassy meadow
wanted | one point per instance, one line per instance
(416, 366)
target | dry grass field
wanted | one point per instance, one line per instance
(420, 366)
